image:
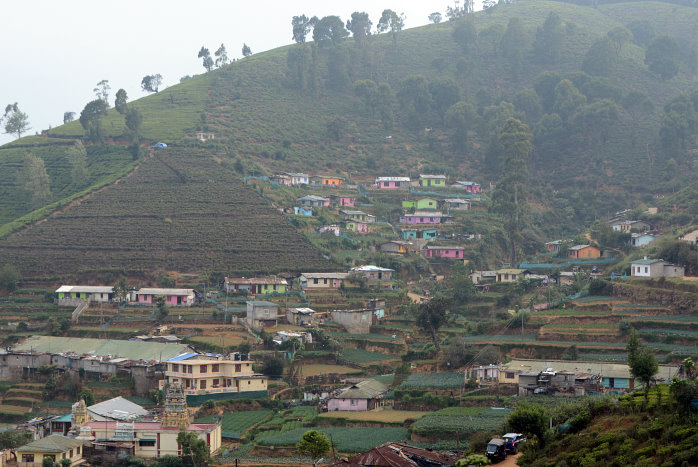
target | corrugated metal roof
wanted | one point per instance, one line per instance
(52, 443)
(132, 350)
(184, 356)
(84, 289)
(256, 280)
(366, 389)
(118, 408)
(610, 370)
(325, 275)
(157, 291)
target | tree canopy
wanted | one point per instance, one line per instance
(314, 444)
(329, 31)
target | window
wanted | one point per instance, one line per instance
(215, 368)
(202, 385)
(315, 281)
(249, 382)
(203, 369)
(175, 367)
(63, 456)
(645, 269)
(27, 457)
(71, 453)
(238, 368)
(77, 451)
(146, 442)
(325, 281)
(509, 375)
(216, 383)
(189, 369)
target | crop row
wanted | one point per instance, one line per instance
(435, 380)
(346, 439)
(462, 421)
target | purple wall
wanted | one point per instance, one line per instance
(409, 219)
(445, 253)
(347, 404)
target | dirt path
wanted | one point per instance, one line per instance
(510, 461)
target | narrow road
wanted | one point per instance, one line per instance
(510, 461)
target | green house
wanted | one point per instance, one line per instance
(420, 204)
(438, 181)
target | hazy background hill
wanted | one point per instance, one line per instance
(597, 146)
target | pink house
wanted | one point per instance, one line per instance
(470, 187)
(355, 225)
(455, 252)
(425, 217)
(392, 183)
(173, 297)
(346, 201)
(365, 395)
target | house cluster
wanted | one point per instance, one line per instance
(109, 432)
(73, 294)
(424, 181)
(263, 314)
(561, 377)
(640, 231)
(149, 364)
(293, 179)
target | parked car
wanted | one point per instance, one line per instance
(159, 146)
(512, 441)
(496, 449)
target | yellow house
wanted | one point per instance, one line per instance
(56, 447)
(152, 439)
(207, 374)
(510, 274)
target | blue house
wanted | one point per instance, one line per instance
(641, 240)
(301, 211)
(409, 234)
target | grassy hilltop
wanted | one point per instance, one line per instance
(263, 124)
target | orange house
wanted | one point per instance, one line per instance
(333, 181)
(584, 251)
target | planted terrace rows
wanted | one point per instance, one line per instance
(178, 211)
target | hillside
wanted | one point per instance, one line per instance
(264, 122)
(180, 210)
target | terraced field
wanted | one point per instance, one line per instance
(179, 211)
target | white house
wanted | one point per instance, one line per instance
(655, 268)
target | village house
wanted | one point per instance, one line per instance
(613, 376)
(484, 373)
(432, 181)
(173, 297)
(256, 285)
(204, 136)
(392, 183)
(313, 201)
(483, 276)
(374, 273)
(690, 237)
(302, 211)
(409, 234)
(342, 200)
(641, 240)
(397, 247)
(419, 204)
(140, 361)
(354, 321)
(583, 251)
(298, 178)
(355, 225)
(303, 337)
(452, 252)
(377, 306)
(470, 187)
(69, 294)
(334, 228)
(554, 246)
(301, 316)
(510, 274)
(358, 215)
(262, 314)
(322, 280)
(203, 374)
(425, 217)
(630, 226)
(362, 396)
(55, 447)
(281, 179)
(330, 181)
(655, 268)
(457, 204)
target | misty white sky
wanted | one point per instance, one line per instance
(55, 52)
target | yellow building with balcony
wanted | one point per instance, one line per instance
(203, 374)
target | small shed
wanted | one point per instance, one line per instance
(262, 314)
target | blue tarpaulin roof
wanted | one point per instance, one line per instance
(184, 356)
